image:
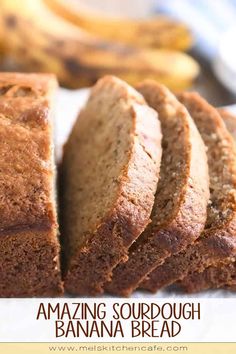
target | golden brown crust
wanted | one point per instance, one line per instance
(95, 247)
(217, 243)
(26, 151)
(181, 182)
(27, 203)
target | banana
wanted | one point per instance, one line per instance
(156, 32)
(36, 39)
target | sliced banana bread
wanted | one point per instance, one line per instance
(218, 241)
(109, 176)
(223, 275)
(179, 212)
(213, 277)
(29, 247)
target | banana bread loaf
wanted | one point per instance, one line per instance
(217, 243)
(109, 176)
(179, 212)
(29, 247)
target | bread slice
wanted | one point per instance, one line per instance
(213, 277)
(225, 274)
(230, 121)
(218, 241)
(29, 247)
(109, 175)
(179, 212)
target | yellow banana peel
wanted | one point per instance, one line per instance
(36, 39)
(156, 32)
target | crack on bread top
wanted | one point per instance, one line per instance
(19, 91)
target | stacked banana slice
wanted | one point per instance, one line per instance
(50, 36)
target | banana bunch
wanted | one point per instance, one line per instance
(157, 32)
(37, 39)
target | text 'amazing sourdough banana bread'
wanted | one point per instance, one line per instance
(109, 176)
(179, 211)
(217, 244)
(29, 248)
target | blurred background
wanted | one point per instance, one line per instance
(184, 44)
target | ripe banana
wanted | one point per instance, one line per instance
(157, 32)
(36, 39)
